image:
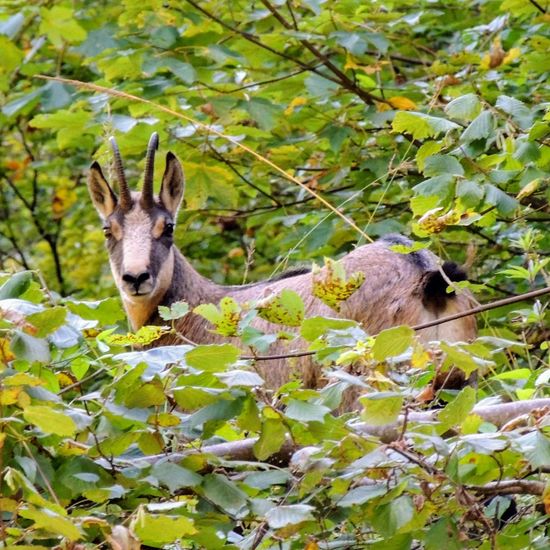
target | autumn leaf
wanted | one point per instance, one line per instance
(331, 285)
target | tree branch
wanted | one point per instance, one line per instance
(509, 487)
(342, 78)
(538, 6)
(255, 40)
(243, 449)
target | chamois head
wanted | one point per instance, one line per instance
(139, 227)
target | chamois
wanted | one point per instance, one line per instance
(150, 271)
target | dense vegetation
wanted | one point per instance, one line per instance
(427, 118)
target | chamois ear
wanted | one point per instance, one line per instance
(173, 183)
(102, 195)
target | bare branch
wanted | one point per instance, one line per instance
(341, 77)
(509, 487)
(243, 449)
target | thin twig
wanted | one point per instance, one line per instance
(538, 6)
(255, 40)
(342, 78)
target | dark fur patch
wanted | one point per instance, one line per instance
(435, 286)
(420, 258)
(290, 273)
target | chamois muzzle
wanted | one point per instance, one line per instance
(138, 284)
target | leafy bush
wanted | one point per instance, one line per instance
(426, 118)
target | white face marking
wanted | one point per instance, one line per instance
(136, 241)
(140, 310)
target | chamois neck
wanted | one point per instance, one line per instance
(190, 286)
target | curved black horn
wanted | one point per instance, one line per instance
(147, 192)
(125, 198)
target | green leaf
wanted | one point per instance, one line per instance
(175, 477)
(392, 516)
(106, 311)
(458, 409)
(51, 522)
(381, 408)
(225, 494)
(469, 192)
(237, 377)
(164, 37)
(465, 107)
(392, 341)
(519, 112)
(363, 494)
(61, 25)
(426, 150)
(459, 358)
(504, 203)
(214, 357)
(49, 420)
(11, 55)
(271, 438)
(535, 446)
(306, 412)
(439, 186)
(47, 321)
(314, 327)
(226, 319)
(177, 310)
(265, 113)
(70, 125)
(443, 164)
(481, 127)
(421, 126)
(149, 394)
(283, 516)
(285, 308)
(30, 348)
(221, 409)
(159, 530)
(16, 285)
(118, 444)
(264, 480)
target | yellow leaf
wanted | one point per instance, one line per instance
(402, 103)
(296, 102)
(381, 107)
(546, 498)
(350, 63)
(485, 62)
(430, 222)
(5, 353)
(512, 55)
(9, 396)
(529, 189)
(332, 286)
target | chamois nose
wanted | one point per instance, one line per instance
(136, 280)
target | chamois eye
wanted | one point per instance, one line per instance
(169, 229)
(107, 232)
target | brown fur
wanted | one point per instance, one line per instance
(393, 292)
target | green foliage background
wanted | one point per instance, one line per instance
(421, 117)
